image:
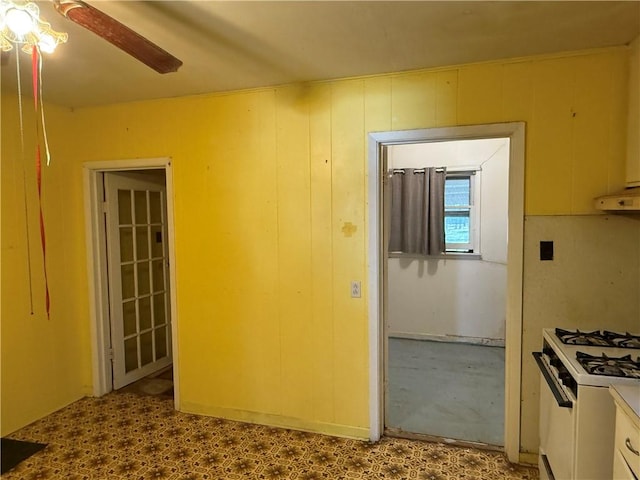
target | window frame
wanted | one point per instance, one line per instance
(472, 248)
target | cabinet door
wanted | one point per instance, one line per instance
(628, 442)
(621, 470)
(633, 127)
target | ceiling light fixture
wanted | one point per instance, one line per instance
(21, 24)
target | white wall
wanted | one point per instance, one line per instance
(455, 297)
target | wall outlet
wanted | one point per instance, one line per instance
(355, 289)
(546, 250)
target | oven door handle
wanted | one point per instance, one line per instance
(559, 395)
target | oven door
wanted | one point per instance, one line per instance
(557, 426)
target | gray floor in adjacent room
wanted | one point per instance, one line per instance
(451, 390)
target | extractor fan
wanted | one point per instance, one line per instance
(118, 34)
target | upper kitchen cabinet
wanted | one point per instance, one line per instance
(628, 199)
(633, 135)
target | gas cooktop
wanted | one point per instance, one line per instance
(596, 358)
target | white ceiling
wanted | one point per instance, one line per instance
(229, 45)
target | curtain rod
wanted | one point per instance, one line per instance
(417, 170)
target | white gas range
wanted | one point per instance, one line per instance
(577, 413)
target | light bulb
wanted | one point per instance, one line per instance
(19, 21)
(47, 43)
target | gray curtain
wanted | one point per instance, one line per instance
(417, 211)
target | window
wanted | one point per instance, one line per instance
(461, 217)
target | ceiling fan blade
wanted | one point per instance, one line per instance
(4, 58)
(118, 34)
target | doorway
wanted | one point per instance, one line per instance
(444, 325)
(129, 215)
(378, 286)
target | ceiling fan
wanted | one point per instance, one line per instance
(117, 34)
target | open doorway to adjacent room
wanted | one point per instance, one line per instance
(445, 317)
(129, 241)
(445, 328)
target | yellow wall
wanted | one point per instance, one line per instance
(265, 183)
(44, 363)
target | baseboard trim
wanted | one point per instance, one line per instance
(280, 421)
(490, 342)
(530, 459)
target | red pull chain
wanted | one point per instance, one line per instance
(35, 68)
(43, 241)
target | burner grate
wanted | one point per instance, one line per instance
(598, 339)
(577, 337)
(623, 340)
(611, 366)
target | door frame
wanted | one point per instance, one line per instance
(95, 236)
(515, 131)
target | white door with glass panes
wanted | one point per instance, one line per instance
(136, 211)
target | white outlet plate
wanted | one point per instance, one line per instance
(355, 289)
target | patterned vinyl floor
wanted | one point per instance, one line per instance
(128, 436)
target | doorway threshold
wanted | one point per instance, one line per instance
(159, 384)
(399, 433)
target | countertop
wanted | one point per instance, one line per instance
(627, 397)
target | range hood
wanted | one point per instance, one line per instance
(627, 200)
